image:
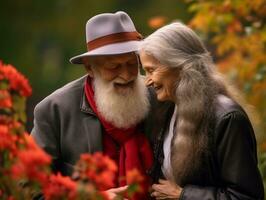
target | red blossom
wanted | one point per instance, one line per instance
(8, 140)
(5, 99)
(59, 187)
(136, 184)
(104, 195)
(12, 136)
(4, 119)
(32, 162)
(17, 82)
(98, 169)
(134, 177)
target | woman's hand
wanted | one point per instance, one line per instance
(166, 190)
(114, 192)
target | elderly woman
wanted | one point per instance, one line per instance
(204, 142)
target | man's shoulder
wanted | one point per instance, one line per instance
(73, 86)
(70, 92)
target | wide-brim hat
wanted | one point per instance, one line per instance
(109, 34)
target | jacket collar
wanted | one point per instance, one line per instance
(84, 105)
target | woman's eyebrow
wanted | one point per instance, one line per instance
(148, 66)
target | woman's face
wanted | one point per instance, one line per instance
(162, 78)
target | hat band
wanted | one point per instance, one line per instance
(113, 38)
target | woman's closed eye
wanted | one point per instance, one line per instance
(149, 70)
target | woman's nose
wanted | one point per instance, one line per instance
(148, 81)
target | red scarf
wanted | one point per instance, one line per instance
(128, 147)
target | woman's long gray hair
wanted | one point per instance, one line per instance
(197, 86)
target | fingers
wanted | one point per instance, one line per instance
(167, 183)
(119, 190)
(158, 195)
(162, 181)
(159, 188)
(115, 192)
(165, 190)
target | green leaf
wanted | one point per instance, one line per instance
(193, 8)
(19, 103)
(247, 87)
(132, 189)
(4, 85)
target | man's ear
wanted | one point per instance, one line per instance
(89, 70)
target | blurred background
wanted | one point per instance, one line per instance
(38, 37)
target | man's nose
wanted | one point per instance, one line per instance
(126, 73)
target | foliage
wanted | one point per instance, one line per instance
(25, 168)
(237, 31)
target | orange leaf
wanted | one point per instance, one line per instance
(157, 22)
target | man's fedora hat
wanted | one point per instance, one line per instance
(109, 34)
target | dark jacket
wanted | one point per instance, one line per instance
(230, 171)
(65, 126)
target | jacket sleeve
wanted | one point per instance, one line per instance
(236, 156)
(46, 130)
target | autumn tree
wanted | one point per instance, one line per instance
(236, 28)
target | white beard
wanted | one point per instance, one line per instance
(124, 108)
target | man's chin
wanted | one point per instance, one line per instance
(123, 89)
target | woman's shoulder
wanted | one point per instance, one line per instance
(230, 116)
(225, 106)
(232, 122)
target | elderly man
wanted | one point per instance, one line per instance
(104, 110)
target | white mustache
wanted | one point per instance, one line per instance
(121, 81)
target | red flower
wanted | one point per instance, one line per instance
(17, 82)
(60, 187)
(8, 140)
(134, 177)
(32, 162)
(5, 99)
(98, 169)
(4, 119)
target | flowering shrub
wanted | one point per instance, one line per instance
(15, 144)
(99, 170)
(25, 168)
(14, 89)
(60, 187)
